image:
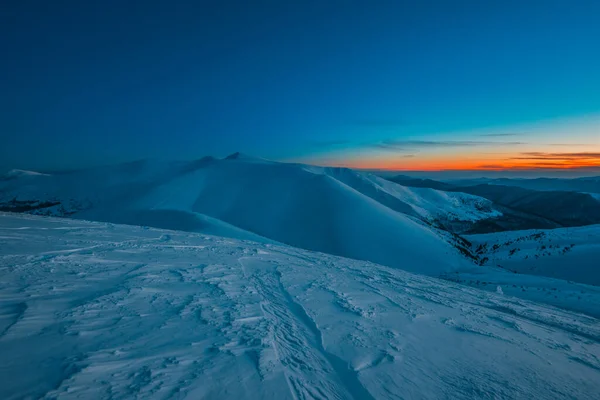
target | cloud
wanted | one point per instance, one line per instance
(536, 166)
(490, 166)
(537, 155)
(403, 145)
(572, 144)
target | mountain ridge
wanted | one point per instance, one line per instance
(333, 210)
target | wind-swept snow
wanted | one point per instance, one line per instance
(95, 310)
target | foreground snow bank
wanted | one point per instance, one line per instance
(94, 310)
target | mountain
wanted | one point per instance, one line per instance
(421, 183)
(522, 208)
(584, 185)
(19, 173)
(478, 174)
(564, 208)
(333, 210)
(567, 253)
(97, 310)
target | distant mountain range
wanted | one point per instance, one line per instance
(584, 185)
(523, 207)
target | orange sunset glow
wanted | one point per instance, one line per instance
(579, 160)
(570, 143)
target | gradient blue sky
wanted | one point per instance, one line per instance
(386, 84)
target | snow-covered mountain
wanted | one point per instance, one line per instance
(584, 184)
(567, 253)
(18, 173)
(96, 310)
(523, 208)
(333, 210)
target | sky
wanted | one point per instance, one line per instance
(407, 85)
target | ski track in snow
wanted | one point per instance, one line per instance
(299, 331)
(92, 310)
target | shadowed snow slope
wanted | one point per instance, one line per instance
(567, 253)
(308, 208)
(333, 210)
(94, 310)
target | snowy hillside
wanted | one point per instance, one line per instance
(334, 210)
(566, 253)
(594, 195)
(95, 310)
(429, 204)
(19, 173)
(99, 186)
(522, 208)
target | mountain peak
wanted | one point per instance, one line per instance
(245, 157)
(237, 156)
(16, 173)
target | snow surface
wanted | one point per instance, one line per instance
(430, 204)
(566, 253)
(594, 195)
(333, 210)
(572, 296)
(96, 310)
(21, 173)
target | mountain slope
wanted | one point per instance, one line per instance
(523, 208)
(305, 207)
(564, 208)
(94, 310)
(429, 204)
(334, 210)
(568, 253)
(587, 184)
(421, 182)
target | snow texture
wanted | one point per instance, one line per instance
(103, 311)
